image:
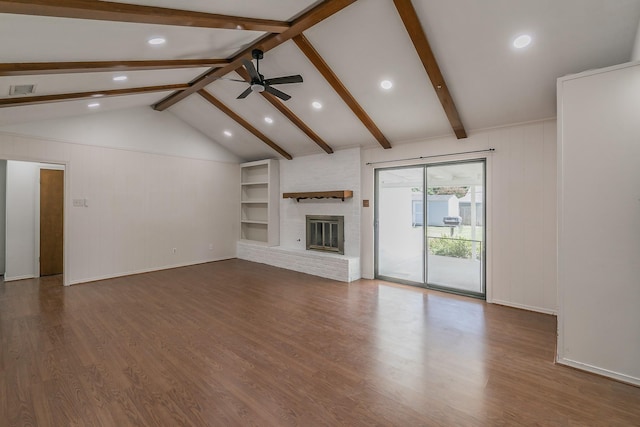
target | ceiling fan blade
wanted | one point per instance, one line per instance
(231, 80)
(251, 69)
(276, 92)
(245, 93)
(284, 80)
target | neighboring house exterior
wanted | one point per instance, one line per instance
(438, 207)
(465, 207)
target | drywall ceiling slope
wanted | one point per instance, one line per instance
(495, 84)
(367, 43)
(135, 129)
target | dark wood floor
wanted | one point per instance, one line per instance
(234, 343)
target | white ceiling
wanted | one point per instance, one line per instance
(491, 83)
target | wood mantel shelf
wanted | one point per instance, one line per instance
(338, 194)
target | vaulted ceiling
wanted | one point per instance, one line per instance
(452, 64)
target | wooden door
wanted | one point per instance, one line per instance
(51, 221)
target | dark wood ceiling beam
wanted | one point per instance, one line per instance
(121, 12)
(242, 122)
(37, 68)
(304, 22)
(279, 105)
(97, 95)
(315, 58)
(419, 38)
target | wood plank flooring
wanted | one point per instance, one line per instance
(234, 343)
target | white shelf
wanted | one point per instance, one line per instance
(255, 232)
(252, 221)
(260, 201)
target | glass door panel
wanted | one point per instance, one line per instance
(400, 224)
(455, 227)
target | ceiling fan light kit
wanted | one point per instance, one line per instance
(259, 84)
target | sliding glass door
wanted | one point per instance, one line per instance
(400, 224)
(430, 226)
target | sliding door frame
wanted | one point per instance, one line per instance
(376, 234)
(486, 226)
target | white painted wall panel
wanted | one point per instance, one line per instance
(635, 53)
(3, 211)
(140, 204)
(599, 221)
(521, 207)
(21, 217)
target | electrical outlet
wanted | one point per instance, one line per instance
(210, 246)
(174, 250)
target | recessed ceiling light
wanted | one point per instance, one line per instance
(120, 78)
(227, 133)
(157, 41)
(386, 84)
(522, 41)
(316, 105)
(94, 105)
(268, 120)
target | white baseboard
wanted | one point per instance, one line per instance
(146, 270)
(599, 371)
(27, 276)
(524, 307)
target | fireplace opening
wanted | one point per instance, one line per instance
(325, 233)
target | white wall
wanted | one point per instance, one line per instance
(22, 179)
(599, 221)
(141, 204)
(321, 172)
(521, 208)
(3, 207)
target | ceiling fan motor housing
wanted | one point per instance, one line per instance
(257, 54)
(259, 84)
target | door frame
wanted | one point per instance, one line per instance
(487, 228)
(66, 203)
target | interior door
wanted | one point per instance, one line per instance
(51, 221)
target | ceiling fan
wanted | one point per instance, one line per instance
(260, 84)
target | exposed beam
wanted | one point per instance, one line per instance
(35, 68)
(121, 12)
(419, 38)
(307, 20)
(97, 94)
(242, 122)
(315, 58)
(289, 115)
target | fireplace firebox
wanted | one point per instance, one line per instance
(325, 233)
